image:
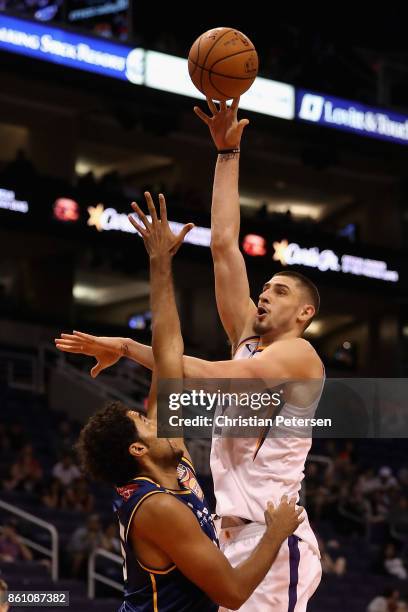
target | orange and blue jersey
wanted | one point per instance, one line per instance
(166, 590)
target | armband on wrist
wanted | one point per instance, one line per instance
(229, 151)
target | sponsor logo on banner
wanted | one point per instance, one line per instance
(352, 116)
(109, 219)
(290, 254)
(325, 260)
(74, 50)
(311, 108)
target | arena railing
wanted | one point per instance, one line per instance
(21, 370)
(322, 459)
(50, 357)
(94, 576)
(49, 552)
(401, 536)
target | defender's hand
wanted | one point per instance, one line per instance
(156, 233)
(107, 351)
(284, 519)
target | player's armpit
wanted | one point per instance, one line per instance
(172, 527)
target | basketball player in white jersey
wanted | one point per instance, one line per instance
(245, 472)
(267, 344)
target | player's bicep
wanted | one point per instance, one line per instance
(194, 554)
(232, 293)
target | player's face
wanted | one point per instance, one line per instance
(146, 427)
(160, 450)
(279, 305)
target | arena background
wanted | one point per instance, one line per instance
(322, 192)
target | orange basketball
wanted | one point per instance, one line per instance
(223, 63)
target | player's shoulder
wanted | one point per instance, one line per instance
(296, 352)
(291, 344)
(162, 503)
(160, 508)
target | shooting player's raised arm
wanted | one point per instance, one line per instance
(234, 304)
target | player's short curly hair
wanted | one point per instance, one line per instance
(103, 445)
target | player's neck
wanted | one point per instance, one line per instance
(274, 335)
(166, 477)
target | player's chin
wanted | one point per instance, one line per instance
(259, 327)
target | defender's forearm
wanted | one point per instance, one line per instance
(167, 341)
(143, 354)
(136, 351)
(193, 367)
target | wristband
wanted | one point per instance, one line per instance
(226, 151)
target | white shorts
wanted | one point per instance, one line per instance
(292, 579)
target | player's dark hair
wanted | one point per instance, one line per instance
(308, 286)
(103, 445)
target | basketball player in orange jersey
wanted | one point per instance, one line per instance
(267, 344)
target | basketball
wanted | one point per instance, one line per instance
(223, 63)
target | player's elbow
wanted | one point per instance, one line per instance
(234, 597)
(222, 242)
(231, 601)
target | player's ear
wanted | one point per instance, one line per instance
(137, 449)
(307, 311)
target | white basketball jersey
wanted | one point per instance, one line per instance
(249, 472)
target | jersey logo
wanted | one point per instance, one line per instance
(188, 480)
(127, 491)
(252, 347)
